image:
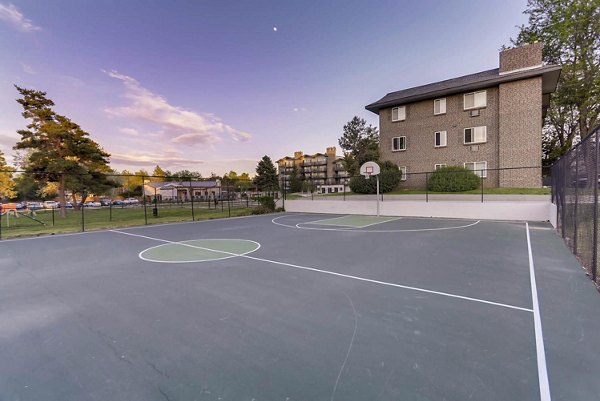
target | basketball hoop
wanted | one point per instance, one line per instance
(367, 170)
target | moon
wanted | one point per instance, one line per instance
(274, 29)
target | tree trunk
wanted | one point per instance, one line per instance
(62, 199)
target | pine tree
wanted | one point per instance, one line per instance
(360, 144)
(266, 175)
(59, 150)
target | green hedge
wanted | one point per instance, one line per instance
(388, 180)
(453, 179)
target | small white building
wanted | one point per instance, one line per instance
(183, 190)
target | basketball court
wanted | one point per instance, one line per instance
(299, 307)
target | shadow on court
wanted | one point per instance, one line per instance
(298, 307)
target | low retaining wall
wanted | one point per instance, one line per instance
(494, 210)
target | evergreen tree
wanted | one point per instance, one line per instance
(266, 175)
(569, 32)
(59, 150)
(295, 180)
(158, 174)
(360, 144)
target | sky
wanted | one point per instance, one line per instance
(212, 86)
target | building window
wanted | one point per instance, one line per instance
(441, 139)
(475, 100)
(439, 106)
(436, 167)
(398, 143)
(399, 113)
(403, 170)
(475, 135)
(479, 168)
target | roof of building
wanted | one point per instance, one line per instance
(467, 83)
(182, 184)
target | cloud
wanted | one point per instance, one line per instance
(181, 126)
(167, 159)
(8, 140)
(14, 17)
(28, 69)
(299, 109)
(129, 131)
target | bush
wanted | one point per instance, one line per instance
(453, 179)
(388, 180)
(267, 202)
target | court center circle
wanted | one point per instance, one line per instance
(199, 250)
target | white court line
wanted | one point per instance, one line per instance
(274, 221)
(537, 320)
(141, 254)
(368, 280)
(320, 222)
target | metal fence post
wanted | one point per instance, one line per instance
(228, 199)
(192, 199)
(481, 179)
(426, 187)
(81, 204)
(595, 234)
(576, 199)
(284, 195)
(144, 197)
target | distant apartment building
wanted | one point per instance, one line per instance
(487, 121)
(324, 170)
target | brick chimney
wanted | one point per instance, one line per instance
(521, 58)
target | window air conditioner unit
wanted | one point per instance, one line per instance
(474, 148)
(474, 113)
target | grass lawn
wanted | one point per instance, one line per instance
(115, 217)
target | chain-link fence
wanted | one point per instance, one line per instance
(488, 184)
(32, 203)
(575, 192)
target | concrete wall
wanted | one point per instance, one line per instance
(507, 210)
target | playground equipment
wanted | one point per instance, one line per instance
(10, 209)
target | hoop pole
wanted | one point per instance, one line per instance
(377, 176)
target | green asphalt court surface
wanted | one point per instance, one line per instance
(299, 307)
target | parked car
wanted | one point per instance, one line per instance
(131, 201)
(92, 204)
(105, 202)
(118, 202)
(35, 205)
(21, 205)
(51, 204)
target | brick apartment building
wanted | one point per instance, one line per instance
(484, 121)
(324, 170)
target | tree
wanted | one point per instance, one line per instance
(158, 174)
(27, 187)
(295, 180)
(569, 32)
(7, 184)
(58, 149)
(360, 144)
(186, 175)
(389, 178)
(266, 175)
